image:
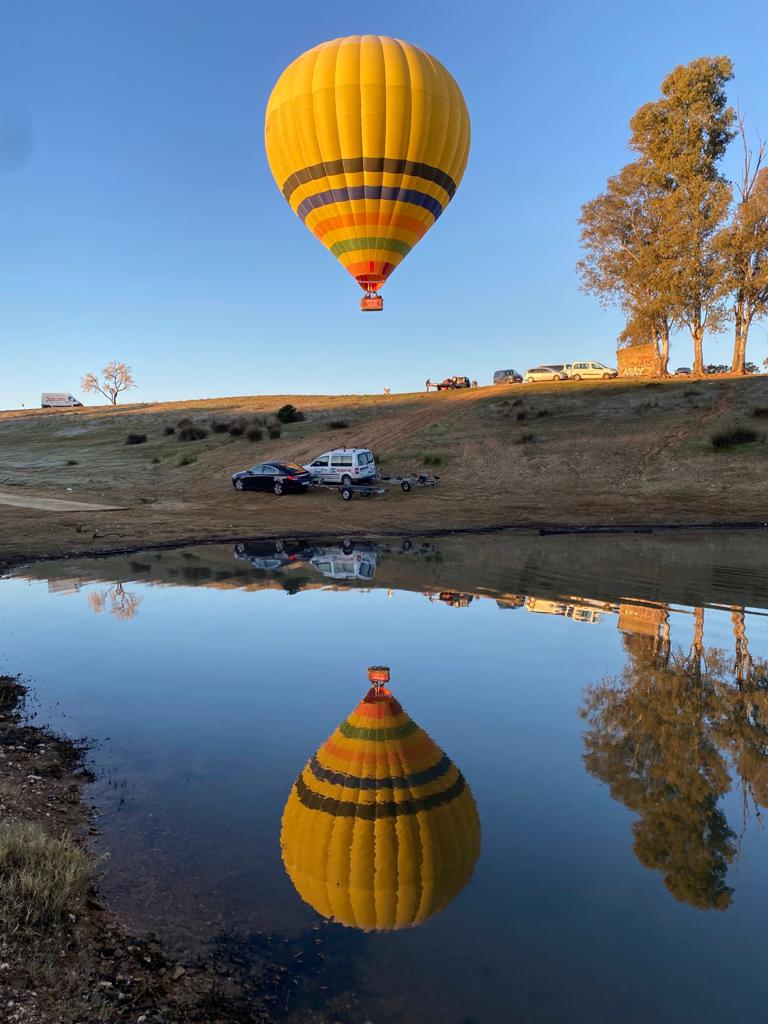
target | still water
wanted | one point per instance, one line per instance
(560, 821)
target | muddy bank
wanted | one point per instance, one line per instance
(84, 966)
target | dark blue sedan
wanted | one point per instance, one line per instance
(278, 477)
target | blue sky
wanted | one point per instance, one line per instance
(139, 220)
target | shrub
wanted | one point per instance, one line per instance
(254, 434)
(236, 429)
(518, 401)
(543, 412)
(156, 460)
(760, 412)
(690, 392)
(274, 430)
(169, 430)
(527, 438)
(192, 433)
(187, 460)
(42, 878)
(136, 439)
(72, 462)
(652, 384)
(337, 424)
(522, 416)
(289, 414)
(734, 435)
(433, 460)
(186, 422)
(219, 426)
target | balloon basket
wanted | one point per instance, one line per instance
(371, 303)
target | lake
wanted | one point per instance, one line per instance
(557, 815)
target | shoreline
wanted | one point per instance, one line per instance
(542, 529)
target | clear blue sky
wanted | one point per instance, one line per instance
(139, 220)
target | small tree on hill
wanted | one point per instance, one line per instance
(115, 377)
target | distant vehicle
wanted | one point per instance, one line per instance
(345, 563)
(343, 466)
(683, 371)
(507, 377)
(451, 383)
(59, 400)
(277, 477)
(545, 373)
(590, 371)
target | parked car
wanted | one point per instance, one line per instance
(343, 466)
(277, 477)
(590, 370)
(535, 373)
(683, 371)
(451, 383)
(507, 377)
(58, 400)
(273, 555)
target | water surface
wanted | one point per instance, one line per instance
(604, 700)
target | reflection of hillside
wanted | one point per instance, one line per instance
(669, 737)
(380, 830)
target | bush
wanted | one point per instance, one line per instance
(136, 439)
(289, 414)
(528, 438)
(219, 426)
(543, 412)
(522, 416)
(169, 430)
(760, 412)
(254, 434)
(72, 462)
(433, 460)
(192, 433)
(236, 429)
(41, 878)
(274, 430)
(652, 384)
(733, 436)
(156, 460)
(187, 460)
(186, 422)
(690, 392)
(337, 424)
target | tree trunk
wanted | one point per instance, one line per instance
(664, 351)
(697, 334)
(738, 361)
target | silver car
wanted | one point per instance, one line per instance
(535, 373)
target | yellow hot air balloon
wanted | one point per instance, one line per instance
(368, 138)
(380, 830)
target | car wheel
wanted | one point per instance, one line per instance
(346, 480)
(529, 380)
(407, 545)
(406, 485)
(239, 485)
(576, 376)
(557, 377)
(347, 546)
(278, 488)
(606, 376)
(346, 494)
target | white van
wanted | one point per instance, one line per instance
(343, 466)
(590, 370)
(58, 400)
(339, 564)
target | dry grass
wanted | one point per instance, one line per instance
(42, 878)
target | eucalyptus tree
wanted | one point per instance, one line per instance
(682, 138)
(743, 244)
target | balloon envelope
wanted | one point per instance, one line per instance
(368, 138)
(380, 830)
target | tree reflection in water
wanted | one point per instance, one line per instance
(666, 737)
(122, 603)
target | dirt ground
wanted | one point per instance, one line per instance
(573, 453)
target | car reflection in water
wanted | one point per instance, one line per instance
(273, 555)
(350, 560)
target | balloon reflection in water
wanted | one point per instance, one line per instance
(380, 830)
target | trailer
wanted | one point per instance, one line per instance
(410, 480)
(379, 486)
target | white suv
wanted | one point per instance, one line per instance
(589, 370)
(343, 466)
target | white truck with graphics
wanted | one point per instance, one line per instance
(58, 400)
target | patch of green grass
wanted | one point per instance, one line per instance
(42, 878)
(433, 460)
(186, 460)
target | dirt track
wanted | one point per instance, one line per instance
(605, 452)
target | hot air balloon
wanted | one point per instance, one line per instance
(367, 137)
(380, 830)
